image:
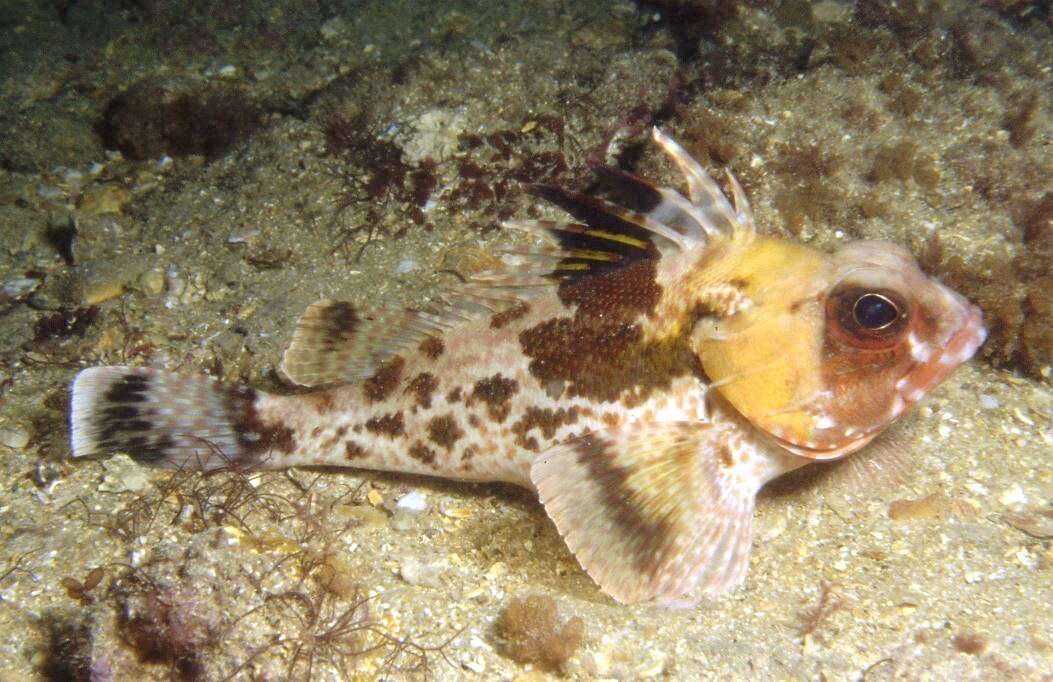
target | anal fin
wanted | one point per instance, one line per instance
(653, 512)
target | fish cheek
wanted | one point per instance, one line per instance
(861, 394)
(766, 363)
(875, 337)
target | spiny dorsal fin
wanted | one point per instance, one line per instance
(652, 511)
(333, 344)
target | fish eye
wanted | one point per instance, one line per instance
(874, 311)
(866, 317)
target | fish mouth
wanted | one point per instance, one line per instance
(958, 348)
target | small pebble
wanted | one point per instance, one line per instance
(414, 501)
(1022, 418)
(405, 266)
(934, 506)
(104, 200)
(243, 237)
(404, 521)
(16, 288)
(1036, 522)
(416, 573)
(15, 437)
(477, 664)
(1014, 495)
(595, 663)
(97, 281)
(125, 478)
(174, 282)
(989, 402)
(367, 516)
(333, 28)
(152, 281)
(457, 512)
(50, 192)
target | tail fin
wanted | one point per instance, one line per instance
(162, 419)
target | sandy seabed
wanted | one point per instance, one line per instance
(179, 180)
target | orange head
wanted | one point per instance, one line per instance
(831, 349)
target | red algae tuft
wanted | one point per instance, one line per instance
(530, 631)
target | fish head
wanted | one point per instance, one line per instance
(834, 348)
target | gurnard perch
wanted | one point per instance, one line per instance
(646, 371)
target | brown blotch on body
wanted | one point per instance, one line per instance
(322, 402)
(431, 347)
(724, 454)
(278, 436)
(454, 396)
(387, 425)
(422, 453)
(353, 450)
(422, 386)
(332, 441)
(443, 431)
(602, 359)
(600, 352)
(512, 314)
(385, 380)
(546, 420)
(625, 292)
(496, 392)
(255, 437)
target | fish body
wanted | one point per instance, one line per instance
(646, 371)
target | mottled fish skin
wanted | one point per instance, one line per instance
(646, 372)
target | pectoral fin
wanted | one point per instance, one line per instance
(653, 512)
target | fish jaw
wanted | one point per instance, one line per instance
(937, 361)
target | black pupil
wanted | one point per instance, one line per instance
(874, 311)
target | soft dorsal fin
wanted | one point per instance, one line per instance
(652, 512)
(334, 344)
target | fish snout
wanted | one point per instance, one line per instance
(964, 337)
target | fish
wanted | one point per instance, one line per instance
(646, 366)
